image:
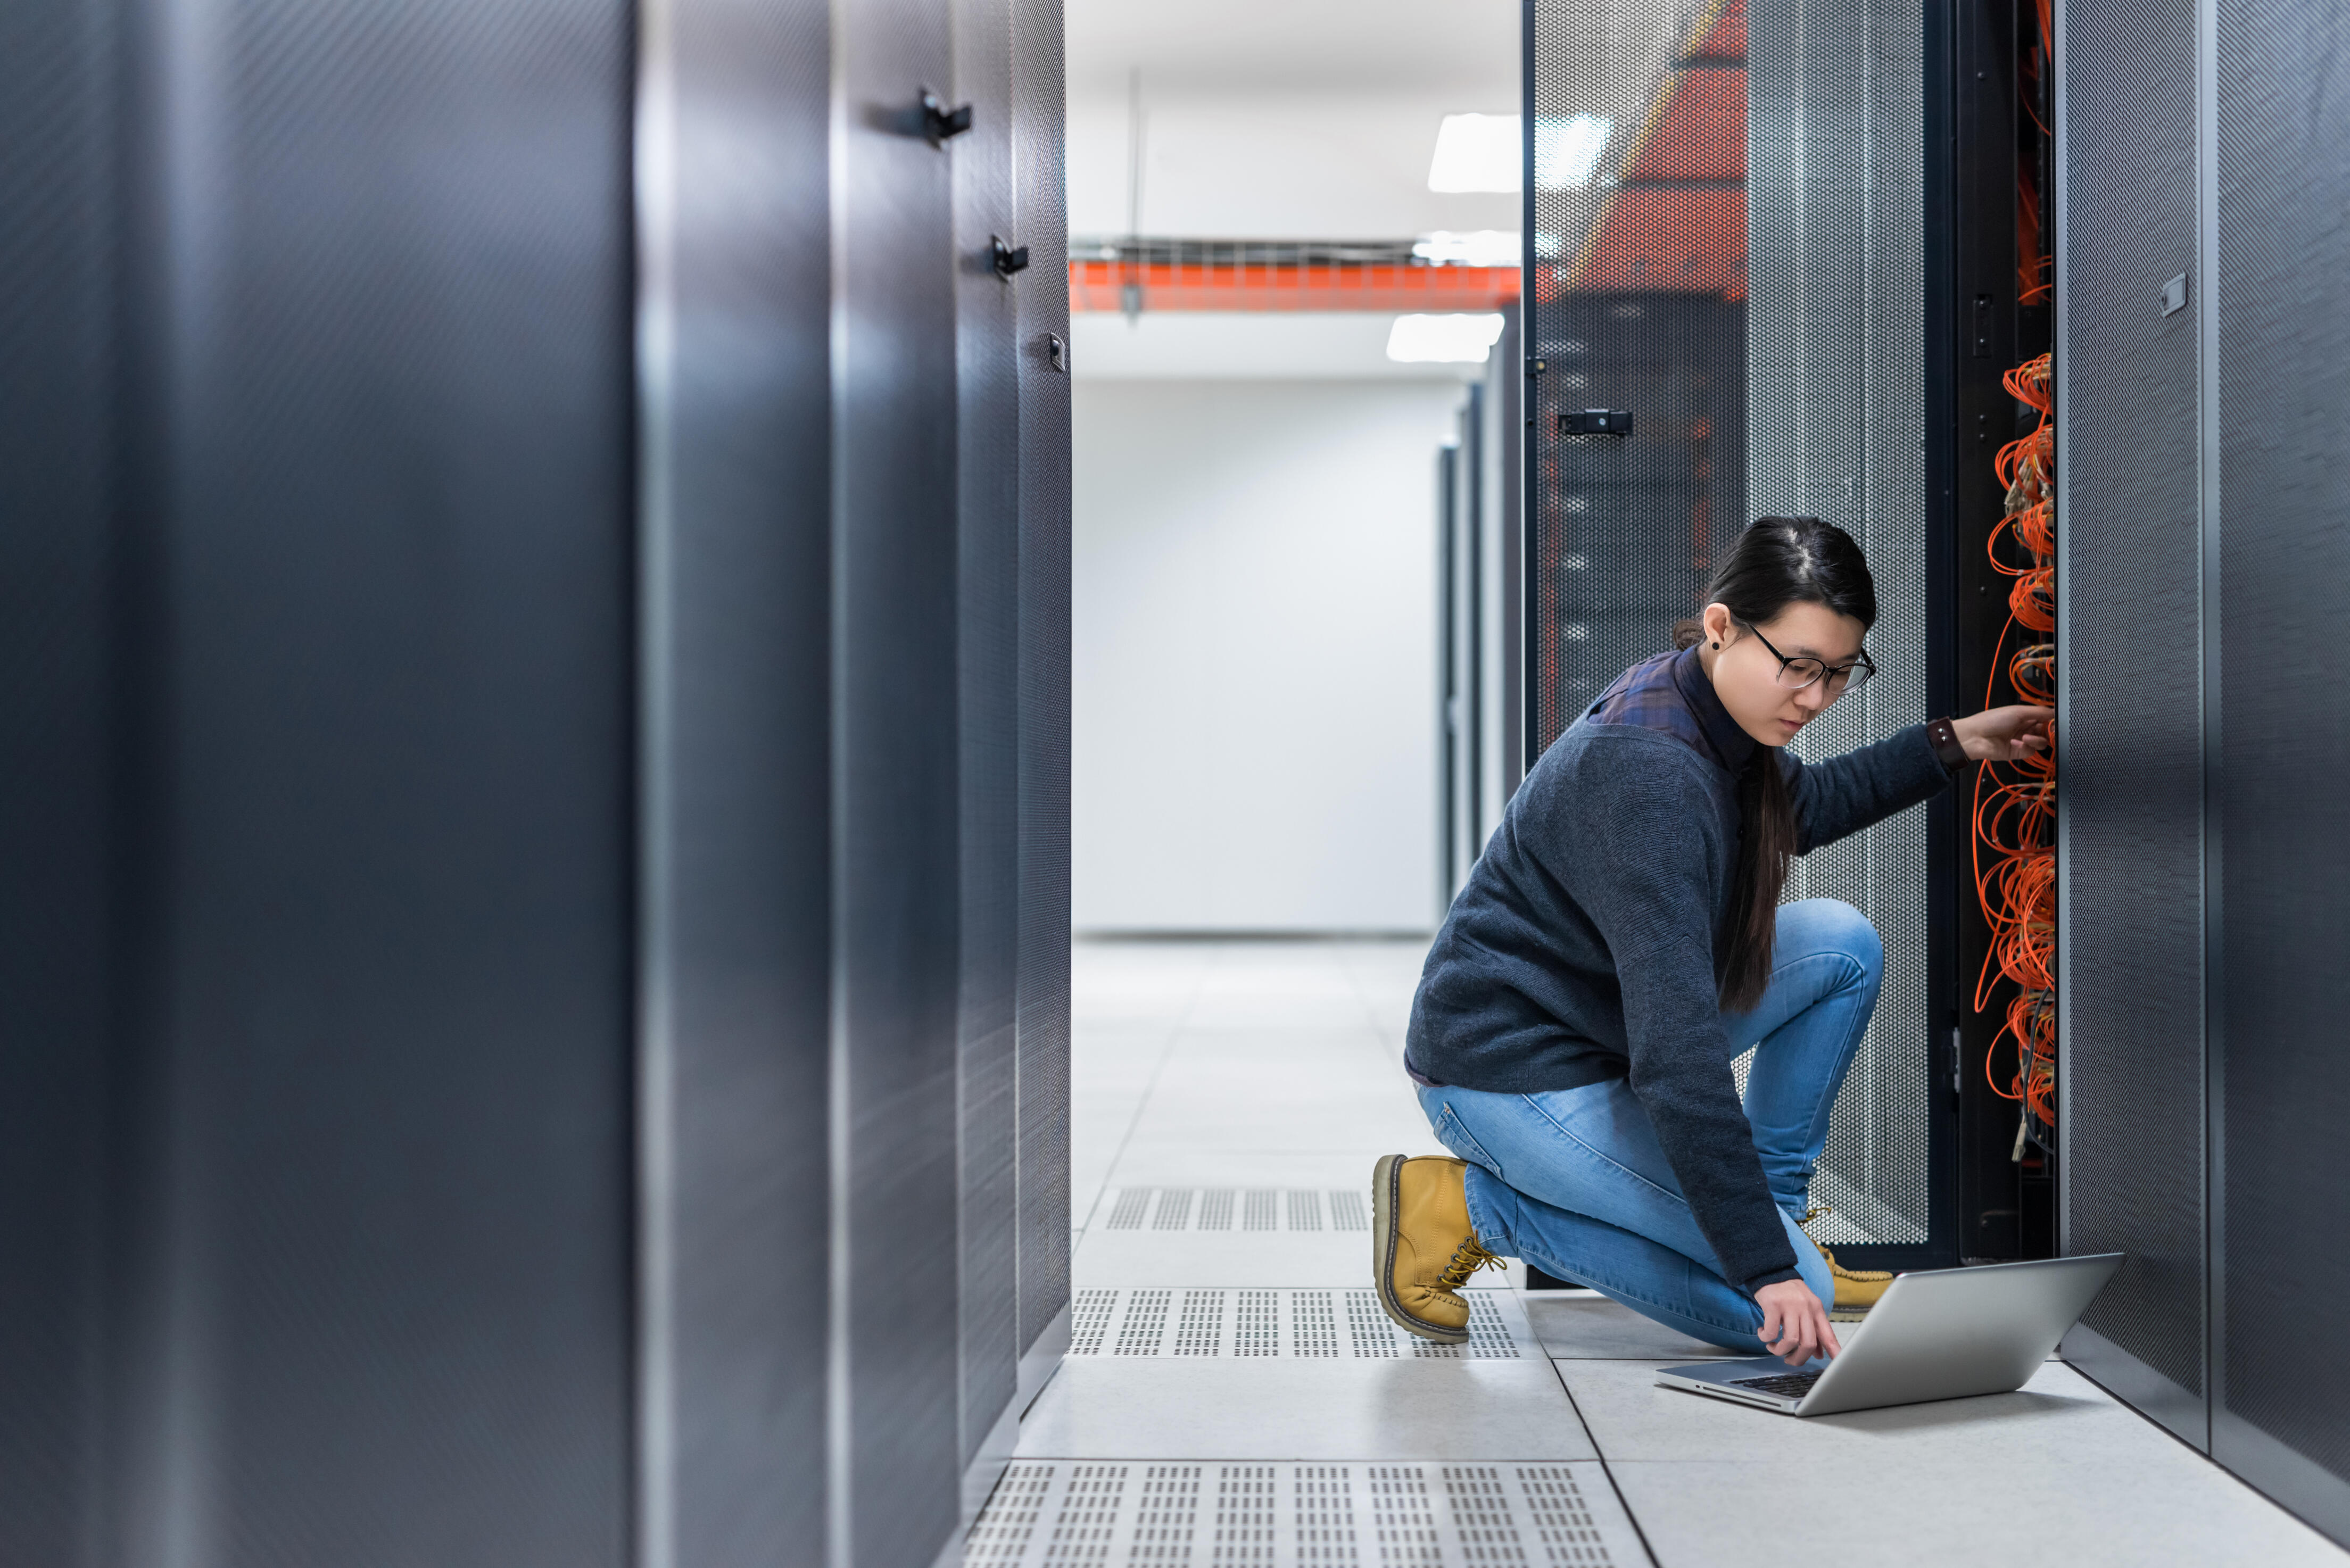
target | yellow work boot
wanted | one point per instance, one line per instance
(1424, 1248)
(1854, 1288)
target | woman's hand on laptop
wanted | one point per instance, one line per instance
(1795, 1326)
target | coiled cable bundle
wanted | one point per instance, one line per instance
(2015, 803)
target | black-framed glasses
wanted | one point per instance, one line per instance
(1801, 672)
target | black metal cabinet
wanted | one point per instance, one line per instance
(2277, 334)
(2201, 456)
(1739, 263)
(735, 882)
(2130, 939)
(1040, 198)
(534, 965)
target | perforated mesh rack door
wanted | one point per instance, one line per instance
(1659, 141)
(2279, 830)
(2129, 985)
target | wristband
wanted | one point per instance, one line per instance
(1946, 745)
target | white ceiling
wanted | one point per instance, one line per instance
(1345, 48)
(1272, 166)
(1288, 119)
(1275, 119)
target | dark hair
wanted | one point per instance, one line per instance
(1780, 561)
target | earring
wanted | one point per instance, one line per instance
(1717, 644)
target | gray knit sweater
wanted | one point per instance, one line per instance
(1582, 947)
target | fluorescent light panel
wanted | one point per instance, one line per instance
(1479, 247)
(1487, 151)
(1476, 152)
(1443, 340)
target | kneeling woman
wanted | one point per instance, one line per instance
(1621, 941)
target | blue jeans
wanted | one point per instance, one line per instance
(1574, 1181)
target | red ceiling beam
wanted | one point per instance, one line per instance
(1100, 286)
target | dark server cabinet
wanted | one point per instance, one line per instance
(1984, 130)
(896, 731)
(317, 1018)
(1045, 1240)
(2201, 365)
(1467, 527)
(1012, 567)
(1726, 240)
(59, 324)
(2130, 930)
(1480, 611)
(534, 969)
(1041, 988)
(2277, 474)
(735, 887)
(988, 566)
(1504, 417)
(1451, 742)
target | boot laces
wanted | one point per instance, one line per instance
(1466, 1258)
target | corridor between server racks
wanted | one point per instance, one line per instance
(1234, 1394)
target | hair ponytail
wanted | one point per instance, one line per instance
(1766, 842)
(1778, 562)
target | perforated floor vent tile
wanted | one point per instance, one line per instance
(1303, 1325)
(1313, 1229)
(1236, 1208)
(1212, 1512)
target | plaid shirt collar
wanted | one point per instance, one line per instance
(1670, 692)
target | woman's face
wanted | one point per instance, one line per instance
(1746, 676)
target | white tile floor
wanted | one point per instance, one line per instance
(1236, 1402)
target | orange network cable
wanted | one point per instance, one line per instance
(2033, 260)
(2015, 803)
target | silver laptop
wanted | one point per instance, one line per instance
(1941, 1333)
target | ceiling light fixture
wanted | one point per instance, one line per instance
(1443, 340)
(1487, 153)
(1476, 152)
(1481, 247)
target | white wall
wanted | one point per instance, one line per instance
(1254, 649)
(1247, 346)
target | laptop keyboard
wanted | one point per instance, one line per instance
(1793, 1385)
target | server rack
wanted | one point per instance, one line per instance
(1478, 612)
(2130, 942)
(2203, 369)
(1727, 241)
(1987, 106)
(1473, 652)
(536, 814)
(2273, 183)
(1452, 715)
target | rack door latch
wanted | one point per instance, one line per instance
(1596, 421)
(941, 123)
(1009, 258)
